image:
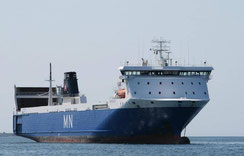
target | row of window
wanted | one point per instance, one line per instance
(166, 73)
(194, 93)
(194, 73)
(148, 83)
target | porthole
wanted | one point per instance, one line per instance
(134, 92)
(152, 102)
(186, 93)
(133, 102)
(150, 92)
(199, 83)
(173, 92)
(193, 102)
(172, 83)
(148, 83)
(160, 83)
(205, 93)
(193, 93)
(192, 83)
(138, 83)
(182, 83)
(159, 92)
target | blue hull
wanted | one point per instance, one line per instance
(139, 125)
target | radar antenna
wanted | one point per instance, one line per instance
(160, 47)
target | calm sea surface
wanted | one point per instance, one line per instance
(12, 145)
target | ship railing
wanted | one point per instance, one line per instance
(174, 64)
(35, 93)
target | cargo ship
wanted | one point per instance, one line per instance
(152, 104)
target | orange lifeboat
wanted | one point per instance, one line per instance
(121, 93)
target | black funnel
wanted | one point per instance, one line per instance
(70, 85)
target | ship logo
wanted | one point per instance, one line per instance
(68, 121)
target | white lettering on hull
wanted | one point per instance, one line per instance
(68, 121)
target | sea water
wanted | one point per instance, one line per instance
(13, 145)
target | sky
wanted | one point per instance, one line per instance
(95, 37)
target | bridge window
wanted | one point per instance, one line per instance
(194, 73)
(144, 72)
(159, 73)
(131, 72)
(167, 73)
(171, 72)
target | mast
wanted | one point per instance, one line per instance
(50, 99)
(159, 49)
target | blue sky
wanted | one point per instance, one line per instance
(95, 37)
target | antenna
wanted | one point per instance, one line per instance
(160, 48)
(138, 47)
(188, 51)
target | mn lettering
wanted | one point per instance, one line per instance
(68, 121)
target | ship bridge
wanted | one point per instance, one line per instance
(166, 82)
